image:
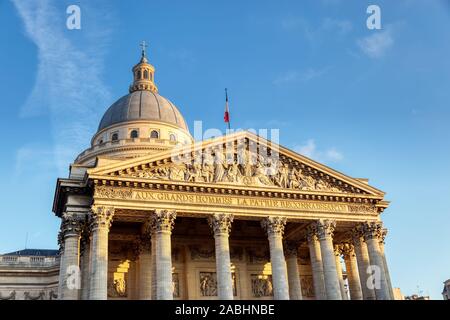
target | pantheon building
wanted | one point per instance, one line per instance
(148, 213)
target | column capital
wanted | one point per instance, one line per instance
(220, 223)
(71, 225)
(372, 230)
(383, 234)
(142, 244)
(347, 250)
(357, 234)
(311, 232)
(290, 249)
(337, 250)
(163, 220)
(60, 242)
(325, 228)
(274, 225)
(101, 217)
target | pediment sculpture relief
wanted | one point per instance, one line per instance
(241, 168)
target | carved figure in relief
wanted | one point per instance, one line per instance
(220, 166)
(177, 173)
(261, 175)
(234, 174)
(294, 182)
(195, 173)
(208, 284)
(283, 175)
(248, 168)
(208, 167)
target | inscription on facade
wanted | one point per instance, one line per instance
(200, 199)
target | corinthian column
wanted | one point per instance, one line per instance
(71, 232)
(386, 269)
(101, 218)
(337, 257)
(316, 262)
(351, 267)
(85, 263)
(61, 264)
(221, 226)
(295, 288)
(362, 258)
(325, 230)
(162, 222)
(372, 236)
(145, 264)
(274, 227)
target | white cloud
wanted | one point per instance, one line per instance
(310, 150)
(68, 83)
(33, 159)
(377, 44)
(341, 26)
(315, 32)
(294, 76)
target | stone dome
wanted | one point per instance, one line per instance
(143, 105)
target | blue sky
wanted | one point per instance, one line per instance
(370, 103)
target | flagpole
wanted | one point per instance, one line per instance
(227, 110)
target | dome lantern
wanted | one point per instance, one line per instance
(143, 74)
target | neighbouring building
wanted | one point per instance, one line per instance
(398, 295)
(30, 274)
(446, 291)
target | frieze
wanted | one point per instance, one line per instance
(28, 296)
(200, 253)
(230, 200)
(11, 296)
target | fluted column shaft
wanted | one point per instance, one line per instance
(71, 228)
(145, 270)
(153, 266)
(101, 219)
(162, 225)
(386, 269)
(221, 226)
(337, 256)
(295, 288)
(61, 264)
(325, 229)
(316, 263)
(274, 227)
(85, 268)
(352, 272)
(362, 258)
(372, 234)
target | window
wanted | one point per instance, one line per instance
(139, 75)
(134, 134)
(115, 136)
(173, 138)
(100, 141)
(145, 74)
(154, 134)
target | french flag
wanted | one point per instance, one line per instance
(226, 116)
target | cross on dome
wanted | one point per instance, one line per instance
(144, 45)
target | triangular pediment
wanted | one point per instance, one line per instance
(239, 159)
